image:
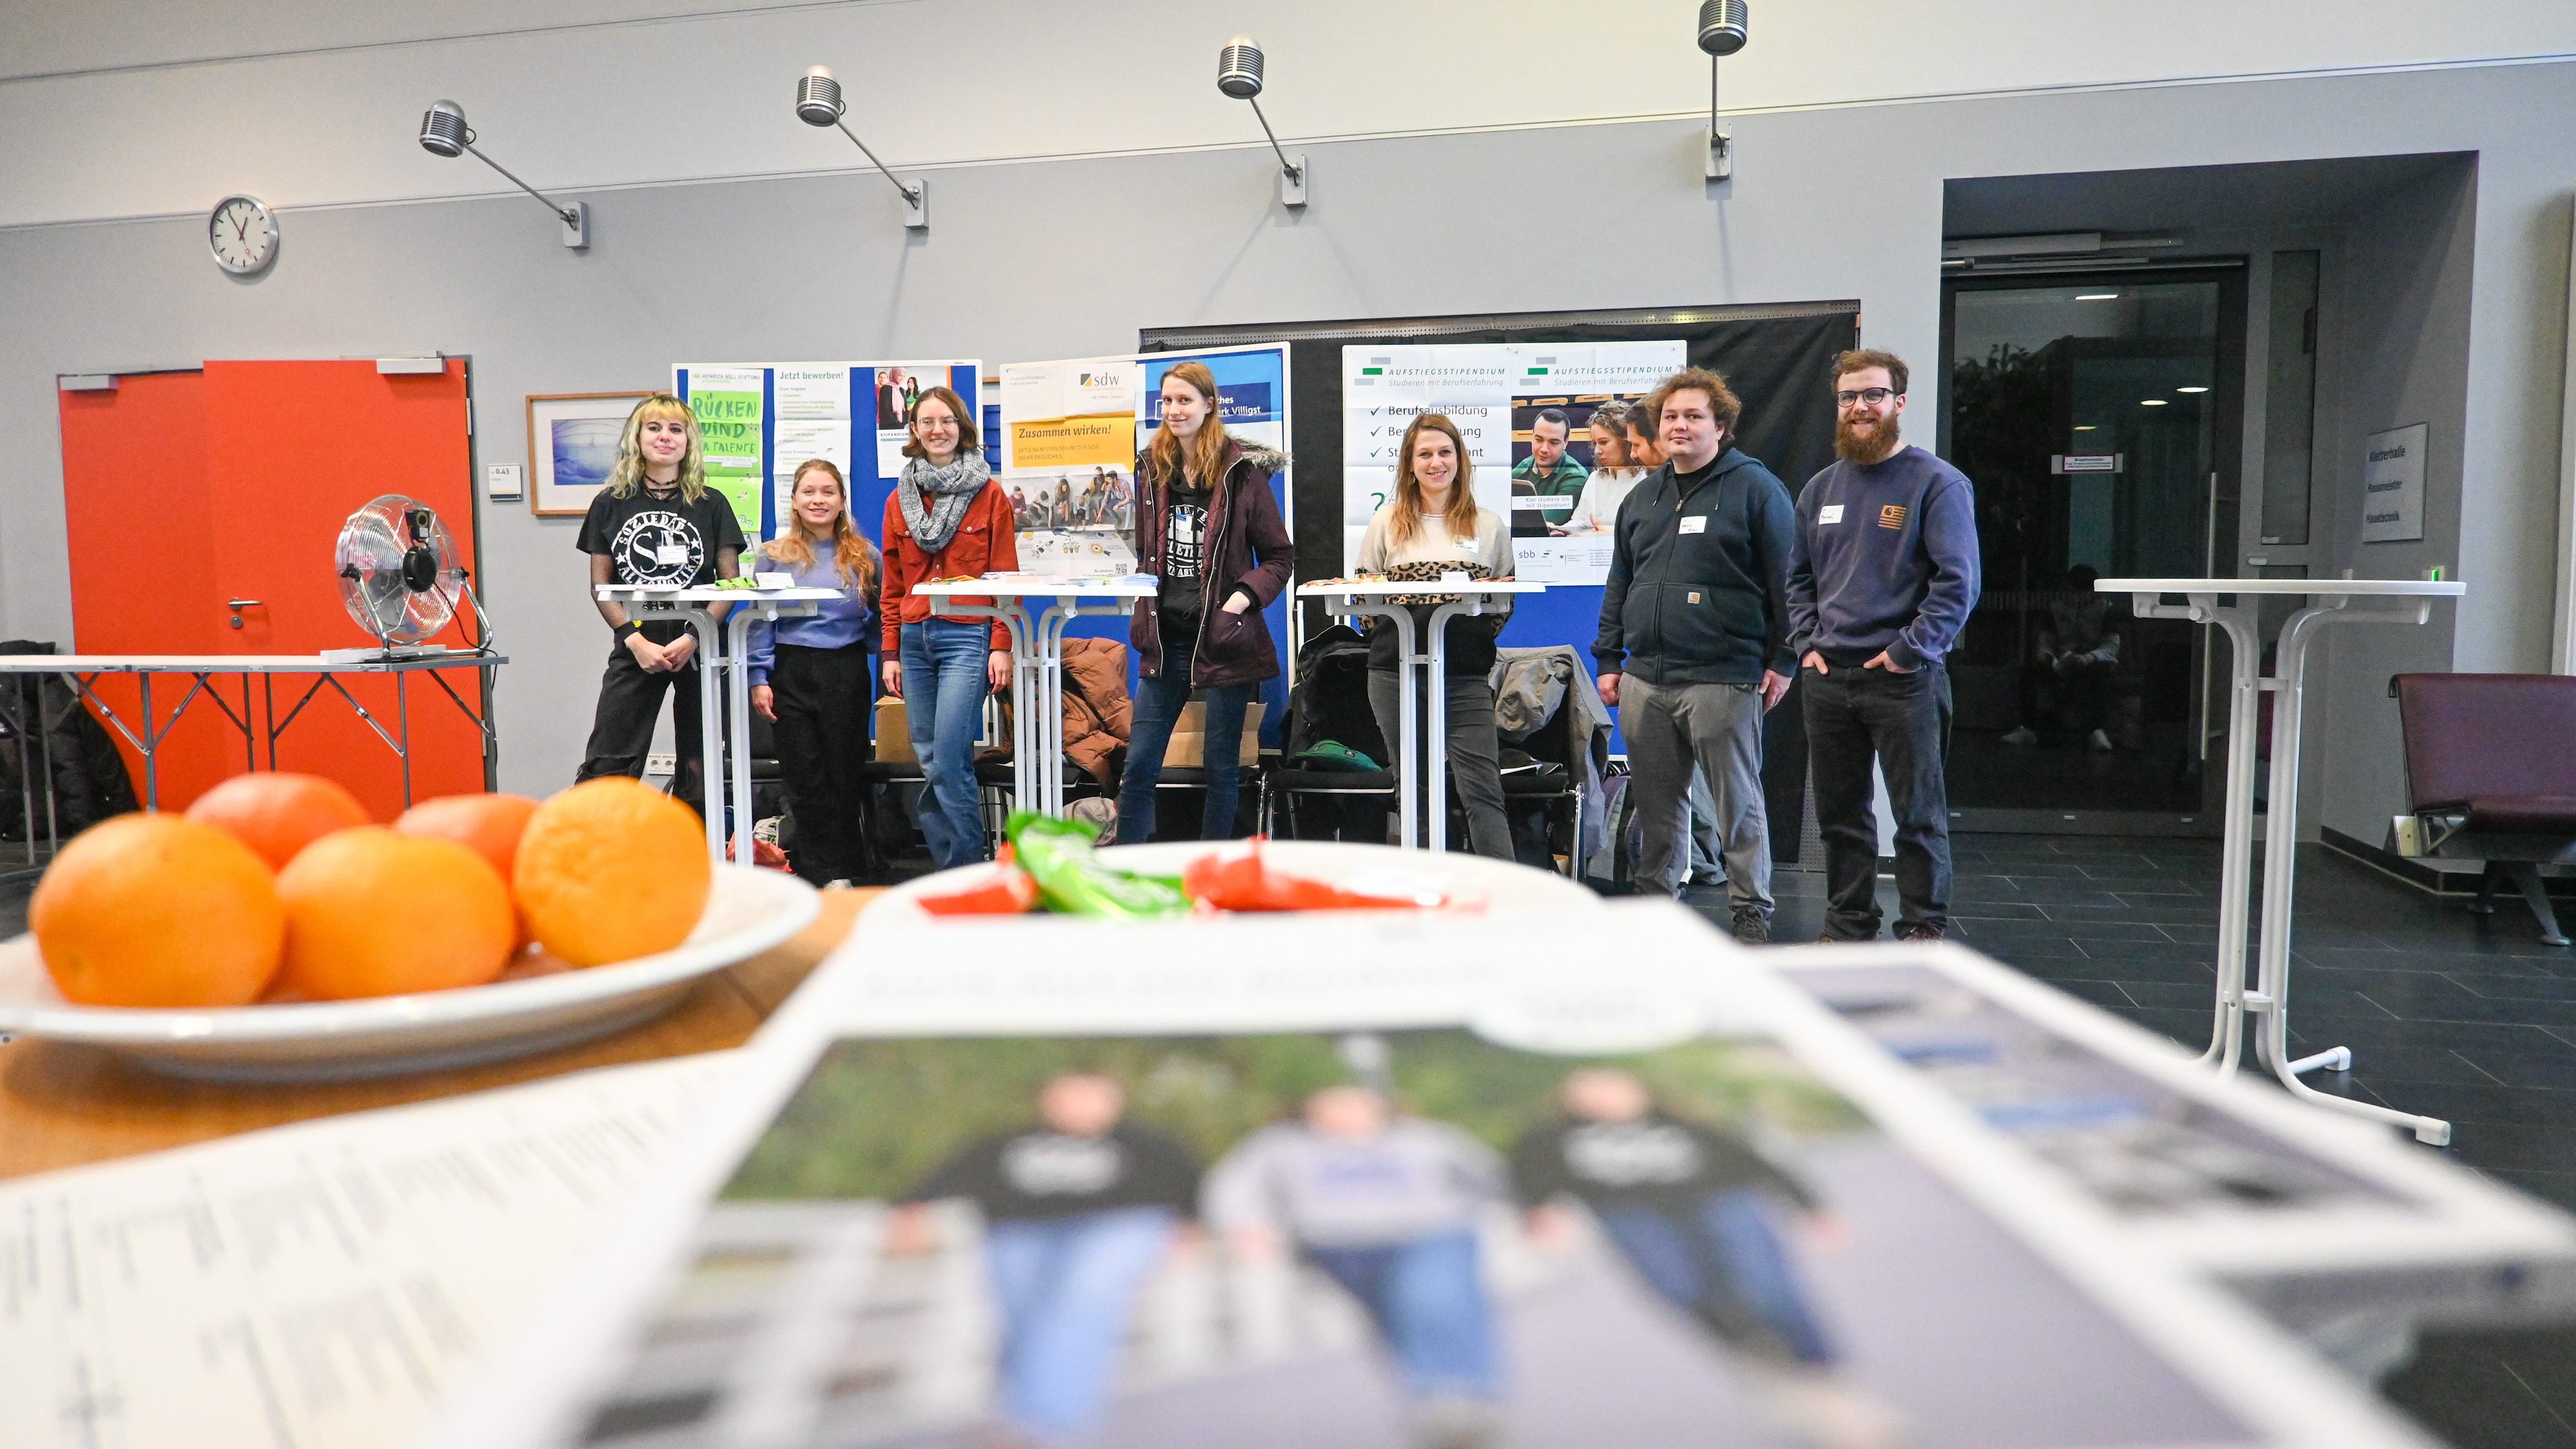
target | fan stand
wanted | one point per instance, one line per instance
(387, 651)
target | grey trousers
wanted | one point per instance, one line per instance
(1475, 754)
(1718, 728)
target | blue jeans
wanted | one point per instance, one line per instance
(1068, 1287)
(944, 686)
(1158, 707)
(1427, 1298)
(1726, 1266)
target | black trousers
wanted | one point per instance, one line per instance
(824, 697)
(630, 700)
(1902, 721)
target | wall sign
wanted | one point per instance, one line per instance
(2392, 485)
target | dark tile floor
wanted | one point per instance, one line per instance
(2462, 1017)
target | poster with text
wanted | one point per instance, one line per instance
(1068, 456)
(764, 421)
(1524, 410)
(732, 404)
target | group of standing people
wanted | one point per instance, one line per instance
(1722, 591)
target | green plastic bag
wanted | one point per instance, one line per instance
(1074, 881)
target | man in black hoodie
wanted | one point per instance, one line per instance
(1693, 647)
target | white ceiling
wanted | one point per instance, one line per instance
(115, 108)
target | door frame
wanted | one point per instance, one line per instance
(2222, 499)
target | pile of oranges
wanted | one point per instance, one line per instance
(275, 886)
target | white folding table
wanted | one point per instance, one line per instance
(84, 670)
(1376, 597)
(722, 664)
(1037, 609)
(2269, 1001)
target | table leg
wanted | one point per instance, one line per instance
(151, 752)
(2236, 852)
(710, 731)
(1028, 670)
(2270, 1003)
(738, 701)
(1408, 753)
(402, 722)
(1436, 691)
(1050, 717)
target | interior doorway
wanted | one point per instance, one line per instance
(2098, 413)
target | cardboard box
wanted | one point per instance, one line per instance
(1188, 749)
(894, 733)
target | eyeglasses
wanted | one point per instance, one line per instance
(1870, 395)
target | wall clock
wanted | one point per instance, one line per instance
(242, 233)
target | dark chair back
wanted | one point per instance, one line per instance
(2486, 734)
(1331, 701)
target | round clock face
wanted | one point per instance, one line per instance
(243, 234)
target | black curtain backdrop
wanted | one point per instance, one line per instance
(1777, 358)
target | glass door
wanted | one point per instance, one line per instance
(2098, 416)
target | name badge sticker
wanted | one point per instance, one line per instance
(1830, 513)
(671, 553)
(1695, 523)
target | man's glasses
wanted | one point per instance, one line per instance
(1870, 395)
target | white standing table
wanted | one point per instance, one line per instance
(81, 671)
(722, 665)
(2268, 1003)
(1428, 660)
(1037, 609)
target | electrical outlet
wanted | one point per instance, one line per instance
(661, 764)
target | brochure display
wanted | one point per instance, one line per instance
(760, 421)
(1495, 392)
(1369, 1178)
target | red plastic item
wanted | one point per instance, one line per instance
(1238, 879)
(1003, 889)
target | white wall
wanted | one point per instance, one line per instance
(115, 109)
(1070, 258)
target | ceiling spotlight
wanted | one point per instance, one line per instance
(1238, 77)
(443, 132)
(1721, 32)
(2191, 389)
(2152, 402)
(818, 103)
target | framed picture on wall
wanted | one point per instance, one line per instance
(572, 443)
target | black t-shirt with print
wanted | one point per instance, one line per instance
(666, 542)
(1657, 1161)
(1043, 1174)
(1183, 596)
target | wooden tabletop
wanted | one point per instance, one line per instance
(67, 1105)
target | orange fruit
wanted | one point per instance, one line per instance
(612, 869)
(370, 912)
(488, 825)
(157, 910)
(278, 814)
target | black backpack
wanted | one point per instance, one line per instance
(90, 782)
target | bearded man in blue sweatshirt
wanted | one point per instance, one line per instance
(1882, 573)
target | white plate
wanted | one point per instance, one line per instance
(1505, 885)
(748, 912)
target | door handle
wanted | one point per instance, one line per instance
(237, 605)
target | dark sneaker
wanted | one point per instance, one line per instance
(1752, 926)
(1917, 931)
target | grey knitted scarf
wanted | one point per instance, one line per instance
(934, 499)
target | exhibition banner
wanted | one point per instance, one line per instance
(1071, 433)
(1524, 409)
(731, 406)
(762, 422)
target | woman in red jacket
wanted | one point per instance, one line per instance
(1206, 522)
(947, 519)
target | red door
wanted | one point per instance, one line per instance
(285, 452)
